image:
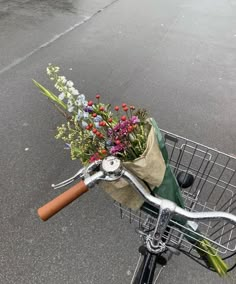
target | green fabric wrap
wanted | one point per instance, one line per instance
(169, 188)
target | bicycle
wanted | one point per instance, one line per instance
(207, 179)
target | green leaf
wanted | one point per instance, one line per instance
(213, 259)
(50, 95)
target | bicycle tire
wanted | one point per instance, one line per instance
(147, 269)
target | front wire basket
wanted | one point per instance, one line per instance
(214, 189)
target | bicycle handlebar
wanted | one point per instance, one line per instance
(51, 208)
(54, 206)
(112, 170)
(164, 203)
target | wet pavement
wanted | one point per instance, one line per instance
(25, 25)
(176, 59)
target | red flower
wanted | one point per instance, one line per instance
(98, 96)
(130, 128)
(124, 105)
(101, 108)
(117, 142)
(116, 108)
(102, 123)
(94, 130)
(94, 157)
(126, 108)
(90, 103)
(110, 119)
(94, 114)
(103, 151)
(123, 118)
(99, 134)
(132, 107)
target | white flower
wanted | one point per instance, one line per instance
(70, 84)
(62, 79)
(60, 89)
(65, 89)
(49, 71)
(70, 109)
(56, 69)
(69, 96)
(82, 97)
(79, 115)
(71, 89)
(69, 104)
(84, 124)
(97, 124)
(75, 92)
(81, 101)
(77, 103)
(98, 118)
(86, 114)
(61, 96)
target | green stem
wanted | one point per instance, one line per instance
(135, 153)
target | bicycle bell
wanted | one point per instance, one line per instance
(112, 167)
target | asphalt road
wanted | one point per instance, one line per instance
(175, 58)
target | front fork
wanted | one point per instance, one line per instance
(155, 245)
(146, 267)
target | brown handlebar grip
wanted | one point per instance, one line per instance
(51, 208)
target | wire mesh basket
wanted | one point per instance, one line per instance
(214, 189)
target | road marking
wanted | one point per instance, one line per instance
(56, 37)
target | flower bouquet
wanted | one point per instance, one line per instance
(92, 131)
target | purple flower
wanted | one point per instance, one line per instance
(88, 109)
(121, 125)
(109, 132)
(134, 119)
(121, 129)
(117, 149)
(67, 146)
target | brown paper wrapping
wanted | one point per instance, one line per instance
(150, 166)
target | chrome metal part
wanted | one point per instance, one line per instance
(93, 179)
(82, 173)
(79, 174)
(112, 168)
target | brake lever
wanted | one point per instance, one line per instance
(79, 174)
(82, 173)
(92, 167)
